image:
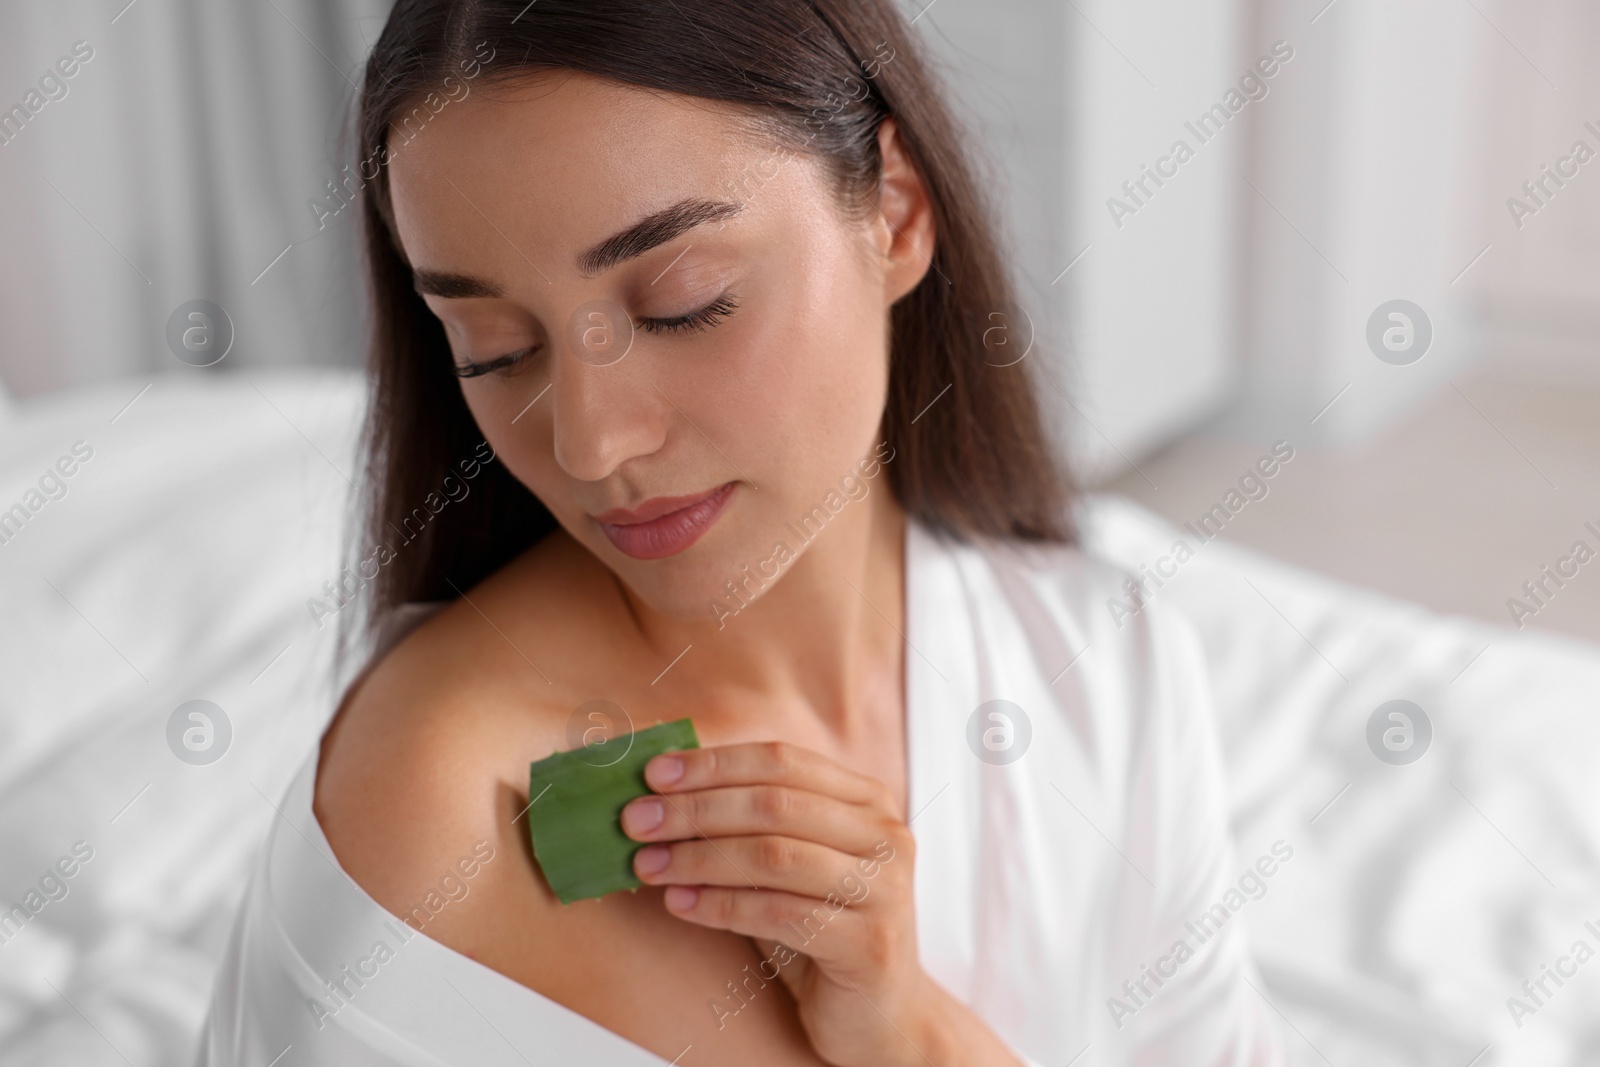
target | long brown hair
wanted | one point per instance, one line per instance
(973, 457)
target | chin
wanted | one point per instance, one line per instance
(725, 571)
(688, 587)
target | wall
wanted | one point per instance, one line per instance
(1540, 284)
(1133, 312)
(1385, 174)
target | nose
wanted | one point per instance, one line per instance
(603, 415)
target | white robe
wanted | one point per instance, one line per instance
(1045, 887)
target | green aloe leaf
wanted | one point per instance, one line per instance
(575, 819)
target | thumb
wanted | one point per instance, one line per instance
(793, 967)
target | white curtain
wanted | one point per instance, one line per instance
(175, 164)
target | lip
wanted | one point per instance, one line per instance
(665, 525)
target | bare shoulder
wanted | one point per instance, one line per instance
(426, 763)
(421, 789)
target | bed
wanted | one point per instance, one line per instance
(176, 562)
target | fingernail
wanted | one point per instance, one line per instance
(680, 897)
(643, 815)
(652, 859)
(663, 770)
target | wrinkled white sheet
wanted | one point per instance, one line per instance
(178, 567)
(1430, 892)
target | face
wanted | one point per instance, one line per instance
(663, 321)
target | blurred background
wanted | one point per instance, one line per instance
(1194, 308)
(1225, 305)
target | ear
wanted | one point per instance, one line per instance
(905, 227)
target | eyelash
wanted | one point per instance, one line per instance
(505, 362)
(693, 322)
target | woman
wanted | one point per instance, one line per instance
(692, 399)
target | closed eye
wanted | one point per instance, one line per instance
(694, 321)
(499, 363)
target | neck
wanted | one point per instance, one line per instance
(822, 641)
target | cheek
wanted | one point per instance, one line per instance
(835, 379)
(799, 384)
(520, 434)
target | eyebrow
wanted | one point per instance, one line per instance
(649, 232)
(654, 230)
(453, 286)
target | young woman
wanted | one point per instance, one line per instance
(692, 399)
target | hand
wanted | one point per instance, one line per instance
(809, 859)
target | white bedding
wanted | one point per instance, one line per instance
(178, 565)
(1432, 891)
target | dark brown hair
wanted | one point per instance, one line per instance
(820, 76)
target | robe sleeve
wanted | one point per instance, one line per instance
(1211, 1009)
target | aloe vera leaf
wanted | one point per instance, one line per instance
(575, 820)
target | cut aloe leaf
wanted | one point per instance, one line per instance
(575, 819)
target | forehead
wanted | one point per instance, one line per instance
(551, 162)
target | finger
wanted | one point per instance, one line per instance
(758, 809)
(829, 934)
(761, 862)
(752, 763)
